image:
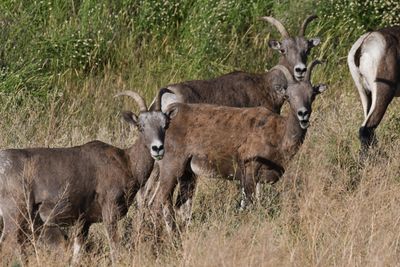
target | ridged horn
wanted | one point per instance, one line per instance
(158, 100)
(305, 23)
(277, 24)
(285, 71)
(139, 100)
(310, 69)
(159, 97)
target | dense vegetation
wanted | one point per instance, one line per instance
(62, 61)
(47, 42)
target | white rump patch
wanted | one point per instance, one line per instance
(355, 73)
(373, 50)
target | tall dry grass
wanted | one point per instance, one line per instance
(326, 210)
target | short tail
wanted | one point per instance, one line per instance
(353, 61)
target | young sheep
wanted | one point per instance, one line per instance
(248, 144)
(94, 182)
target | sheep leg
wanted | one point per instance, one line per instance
(383, 87)
(15, 229)
(10, 231)
(187, 186)
(269, 175)
(170, 171)
(51, 233)
(79, 241)
(248, 190)
(248, 182)
(110, 219)
(383, 95)
(147, 191)
(53, 236)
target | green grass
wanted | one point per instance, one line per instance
(61, 62)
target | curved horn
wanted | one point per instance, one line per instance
(310, 69)
(158, 101)
(159, 97)
(278, 25)
(305, 23)
(139, 100)
(285, 71)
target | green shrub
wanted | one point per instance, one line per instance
(43, 40)
(360, 15)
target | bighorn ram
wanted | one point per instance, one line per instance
(94, 182)
(241, 89)
(374, 62)
(248, 144)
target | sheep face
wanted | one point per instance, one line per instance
(294, 52)
(151, 126)
(301, 96)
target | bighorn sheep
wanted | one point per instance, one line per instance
(241, 89)
(374, 62)
(248, 144)
(94, 182)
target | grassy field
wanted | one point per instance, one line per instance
(61, 62)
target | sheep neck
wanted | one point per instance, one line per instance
(140, 161)
(293, 137)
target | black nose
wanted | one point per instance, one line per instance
(157, 148)
(300, 70)
(302, 113)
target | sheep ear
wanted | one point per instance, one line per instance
(281, 90)
(130, 117)
(276, 45)
(314, 42)
(319, 88)
(171, 112)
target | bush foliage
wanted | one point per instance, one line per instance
(43, 40)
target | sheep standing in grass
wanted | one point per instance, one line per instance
(248, 144)
(49, 188)
(374, 63)
(242, 89)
